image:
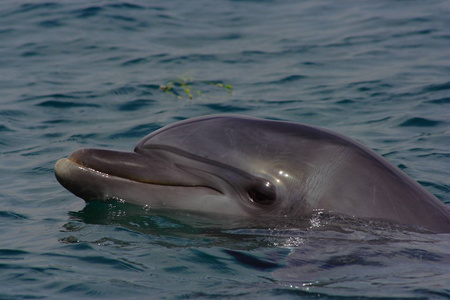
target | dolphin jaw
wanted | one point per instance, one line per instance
(93, 185)
(66, 168)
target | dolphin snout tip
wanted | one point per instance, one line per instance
(62, 168)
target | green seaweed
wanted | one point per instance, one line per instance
(188, 87)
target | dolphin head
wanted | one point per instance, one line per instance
(245, 166)
(222, 164)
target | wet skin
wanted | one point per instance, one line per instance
(253, 168)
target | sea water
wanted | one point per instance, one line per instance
(104, 74)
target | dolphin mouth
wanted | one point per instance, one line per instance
(87, 171)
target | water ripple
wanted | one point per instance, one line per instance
(12, 215)
(65, 104)
(437, 87)
(420, 122)
(136, 104)
(445, 100)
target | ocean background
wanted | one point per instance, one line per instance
(104, 74)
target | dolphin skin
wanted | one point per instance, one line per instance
(249, 167)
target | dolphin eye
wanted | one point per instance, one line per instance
(263, 193)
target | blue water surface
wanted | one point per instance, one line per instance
(79, 74)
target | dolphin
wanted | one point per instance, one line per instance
(250, 167)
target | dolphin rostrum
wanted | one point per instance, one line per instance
(251, 167)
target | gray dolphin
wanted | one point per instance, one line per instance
(246, 167)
